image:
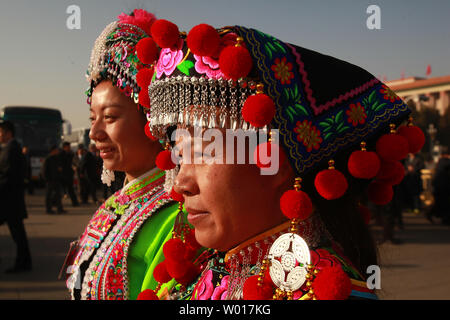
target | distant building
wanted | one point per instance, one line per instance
(432, 92)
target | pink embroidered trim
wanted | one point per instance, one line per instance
(333, 102)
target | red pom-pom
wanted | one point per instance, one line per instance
(191, 273)
(165, 33)
(258, 110)
(235, 62)
(148, 133)
(164, 160)
(392, 147)
(147, 295)
(252, 291)
(415, 137)
(144, 99)
(190, 241)
(147, 51)
(143, 78)
(160, 273)
(363, 164)
(203, 40)
(332, 283)
(262, 156)
(176, 196)
(177, 269)
(380, 192)
(174, 249)
(296, 204)
(365, 213)
(331, 184)
(391, 172)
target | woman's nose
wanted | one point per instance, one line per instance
(185, 183)
(97, 132)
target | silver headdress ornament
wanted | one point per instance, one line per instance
(199, 102)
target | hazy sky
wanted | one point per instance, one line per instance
(42, 62)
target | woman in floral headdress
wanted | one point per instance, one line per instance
(298, 232)
(115, 256)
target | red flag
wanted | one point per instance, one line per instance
(429, 70)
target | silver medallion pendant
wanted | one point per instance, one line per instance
(289, 257)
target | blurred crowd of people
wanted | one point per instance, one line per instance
(407, 197)
(76, 175)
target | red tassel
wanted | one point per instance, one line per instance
(363, 164)
(191, 273)
(147, 51)
(147, 295)
(379, 192)
(174, 249)
(296, 204)
(203, 40)
(190, 240)
(392, 146)
(143, 78)
(235, 61)
(160, 273)
(259, 109)
(331, 183)
(144, 99)
(176, 196)
(164, 160)
(165, 33)
(414, 135)
(148, 133)
(391, 172)
(332, 283)
(253, 291)
(177, 269)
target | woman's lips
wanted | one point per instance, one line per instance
(107, 153)
(195, 216)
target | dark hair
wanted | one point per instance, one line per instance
(8, 126)
(342, 217)
(66, 143)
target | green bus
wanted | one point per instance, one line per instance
(36, 128)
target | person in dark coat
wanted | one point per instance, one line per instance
(28, 182)
(88, 176)
(12, 195)
(441, 190)
(68, 172)
(53, 173)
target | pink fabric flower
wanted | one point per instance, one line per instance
(204, 288)
(123, 199)
(169, 59)
(220, 292)
(210, 65)
(141, 18)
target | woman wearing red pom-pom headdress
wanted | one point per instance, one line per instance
(281, 213)
(122, 244)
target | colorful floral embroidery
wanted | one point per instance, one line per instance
(169, 59)
(308, 134)
(114, 284)
(210, 65)
(356, 114)
(205, 287)
(282, 70)
(333, 125)
(388, 94)
(220, 292)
